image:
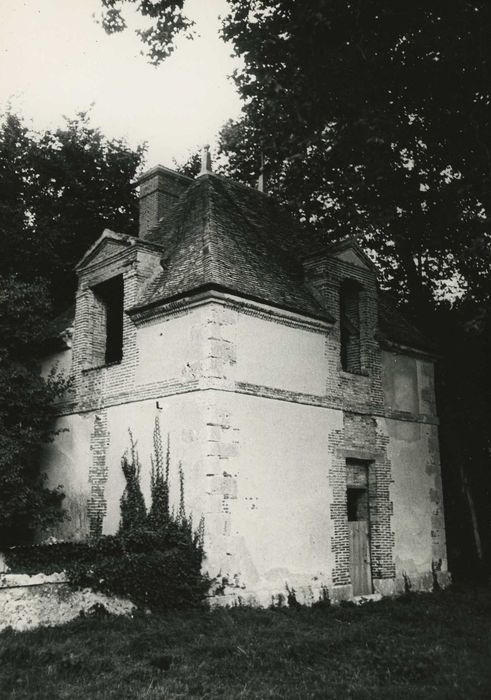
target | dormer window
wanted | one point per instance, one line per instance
(108, 321)
(349, 321)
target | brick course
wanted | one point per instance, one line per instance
(99, 442)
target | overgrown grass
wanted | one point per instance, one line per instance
(418, 646)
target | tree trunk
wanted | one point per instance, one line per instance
(472, 509)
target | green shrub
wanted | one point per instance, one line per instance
(153, 576)
(48, 558)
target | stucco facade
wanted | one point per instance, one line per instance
(274, 435)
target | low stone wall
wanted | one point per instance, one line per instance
(27, 602)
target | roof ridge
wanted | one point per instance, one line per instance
(237, 183)
(209, 229)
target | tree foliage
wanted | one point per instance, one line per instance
(165, 20)
(58, 191)
(464, 408)
(374, 119)
(190, 166)
(26, 415)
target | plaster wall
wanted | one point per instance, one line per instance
(416, 495)
(274, 355)
(181, 419)
(408, 383)
(66, 462)
(85, 459)
(170, 348)
(256, 469)
(161, 361)
(243, 398)
(269, 522)
(400, 382)
(426, 387)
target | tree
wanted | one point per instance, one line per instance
(465, 416)
(167, 22)
(58, 191)
(26, 415)
(374, 119)
(191, 166)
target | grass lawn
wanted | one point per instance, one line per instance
(419, 646)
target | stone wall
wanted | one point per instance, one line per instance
(27, 602)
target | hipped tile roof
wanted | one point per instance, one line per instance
(225, 235)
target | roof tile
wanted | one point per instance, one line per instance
(223, 234)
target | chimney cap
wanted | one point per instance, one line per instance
(161, 170)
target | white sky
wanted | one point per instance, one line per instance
(56, 60)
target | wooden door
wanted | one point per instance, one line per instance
(361, 576)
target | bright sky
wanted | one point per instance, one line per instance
(56, 60)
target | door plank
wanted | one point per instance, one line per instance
(360, 557)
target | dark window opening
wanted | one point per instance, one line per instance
(357, 504)
(349, 322)
(110, 295)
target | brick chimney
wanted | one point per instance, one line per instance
(160, 188)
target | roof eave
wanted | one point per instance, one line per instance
(401, 348)
(221, 289)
